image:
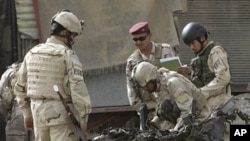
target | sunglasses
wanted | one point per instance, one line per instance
(142, 38)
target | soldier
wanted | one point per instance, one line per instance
(209, 70)
(48, 64)
(147, 50)
(3, 105)
(15, 130)
(178, 100)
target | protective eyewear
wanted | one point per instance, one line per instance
(142, 38)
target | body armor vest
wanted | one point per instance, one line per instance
(201, 75)
(46, 68)
(157, 56)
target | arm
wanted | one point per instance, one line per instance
(183, 100)
(70, 114)
(21, 95)
(218, 63)
(4, 102)
(78, 89)
(134, 101)
(20, 90)
(4, 80)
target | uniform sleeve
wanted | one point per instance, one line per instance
(183, 100)
(20, 89)
(218, 63)
(134, 101)
(79, 93)
(4, 80)
(3, 85)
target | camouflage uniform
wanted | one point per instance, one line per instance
(159, 51)
(211, 72)
(45, 65)
(3, 109)
(4, 86)
(184, 96)
(15, 130)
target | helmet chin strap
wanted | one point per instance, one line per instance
(154, 82)
(202, 44)
(69, 39)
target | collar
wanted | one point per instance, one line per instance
(144, 57)
(208, 44)
(54, 40)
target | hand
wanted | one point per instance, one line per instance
(184, 70)
(84, 127)
(151, 115)
(28, 123)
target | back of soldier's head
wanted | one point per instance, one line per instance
(65, 19)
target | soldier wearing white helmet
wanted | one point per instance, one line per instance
(178, 100)
(66, 20)
(146, 50)
(48, 64)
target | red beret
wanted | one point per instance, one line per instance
(140, 27)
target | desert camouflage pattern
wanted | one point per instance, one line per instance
(5, 98)
(174, 86)
(4, 94)
(44, 66)
(218, 90)
(15, 130)
(160, 50)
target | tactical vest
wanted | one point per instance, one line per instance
(201, 75)
(157, 56)
(46, 68)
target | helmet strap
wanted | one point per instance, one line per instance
(154, 82)
(69, 40)
(68, 37)
(201, 43)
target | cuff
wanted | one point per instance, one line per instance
(84, 119)
(27, 112)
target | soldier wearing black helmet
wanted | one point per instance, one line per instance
(209, 70)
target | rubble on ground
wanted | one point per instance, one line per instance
(189, 133)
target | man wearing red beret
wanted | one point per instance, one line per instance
(149, 51)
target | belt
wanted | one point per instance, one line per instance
(67, 100)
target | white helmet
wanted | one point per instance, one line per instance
(144, 72)
(69, 21)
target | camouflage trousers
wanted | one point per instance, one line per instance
(51, 121)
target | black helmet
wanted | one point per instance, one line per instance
(193, 31)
